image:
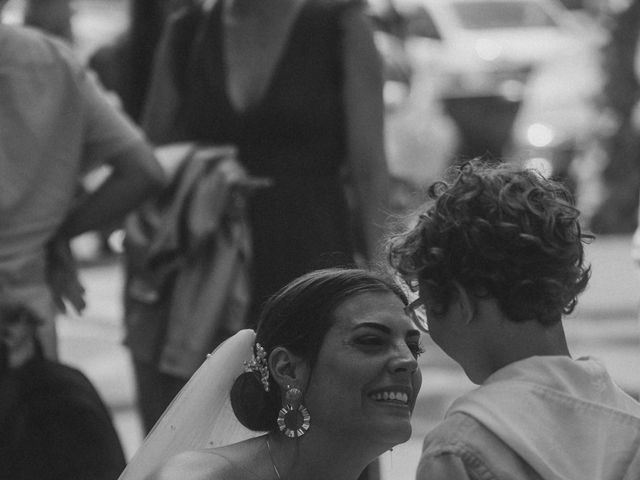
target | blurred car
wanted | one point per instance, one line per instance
(481, 53)
(563, 125)
(419, 137)
(559, 121)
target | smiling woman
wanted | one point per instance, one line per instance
(331, 384)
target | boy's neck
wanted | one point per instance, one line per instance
(531, 339)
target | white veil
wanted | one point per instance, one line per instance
(200, 416)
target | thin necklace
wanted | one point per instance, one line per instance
(273, 462)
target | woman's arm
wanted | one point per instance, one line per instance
(364, 107)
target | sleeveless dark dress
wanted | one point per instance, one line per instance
(295, 135)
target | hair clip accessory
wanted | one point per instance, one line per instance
(258, 365)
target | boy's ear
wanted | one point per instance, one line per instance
(466, 303)
(288, 368)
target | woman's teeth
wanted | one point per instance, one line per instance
(393, 396)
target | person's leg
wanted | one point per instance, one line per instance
(48, 338)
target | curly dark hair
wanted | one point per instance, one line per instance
(501, 232)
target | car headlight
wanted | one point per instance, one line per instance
(540, 135)
(487, 50)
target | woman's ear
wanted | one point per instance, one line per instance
(288, 368)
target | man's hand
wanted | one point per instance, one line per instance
(62, 276)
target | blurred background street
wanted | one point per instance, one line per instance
(455, 89)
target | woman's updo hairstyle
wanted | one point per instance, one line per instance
(298, 317)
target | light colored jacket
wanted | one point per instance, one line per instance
(550, 418)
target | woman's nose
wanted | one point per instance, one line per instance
(404, 360)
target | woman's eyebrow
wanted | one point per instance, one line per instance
(375, 325)
(383, 328)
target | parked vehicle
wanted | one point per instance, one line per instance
(481, 53)
(561, 124)
(559, 117)
(419, 136)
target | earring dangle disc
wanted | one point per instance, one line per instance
(293, 418)
(294, 422)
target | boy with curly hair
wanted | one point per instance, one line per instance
(497, 259)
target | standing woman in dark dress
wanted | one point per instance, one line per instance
(296, 85)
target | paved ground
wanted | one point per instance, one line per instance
(604, 325)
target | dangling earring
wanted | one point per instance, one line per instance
(293, 417)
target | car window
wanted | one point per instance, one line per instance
(420, 24)
(497, 14)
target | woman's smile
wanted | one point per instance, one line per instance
(367, 377)
(397, 396)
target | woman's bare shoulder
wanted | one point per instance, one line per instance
(232, 462)
(196, 465)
